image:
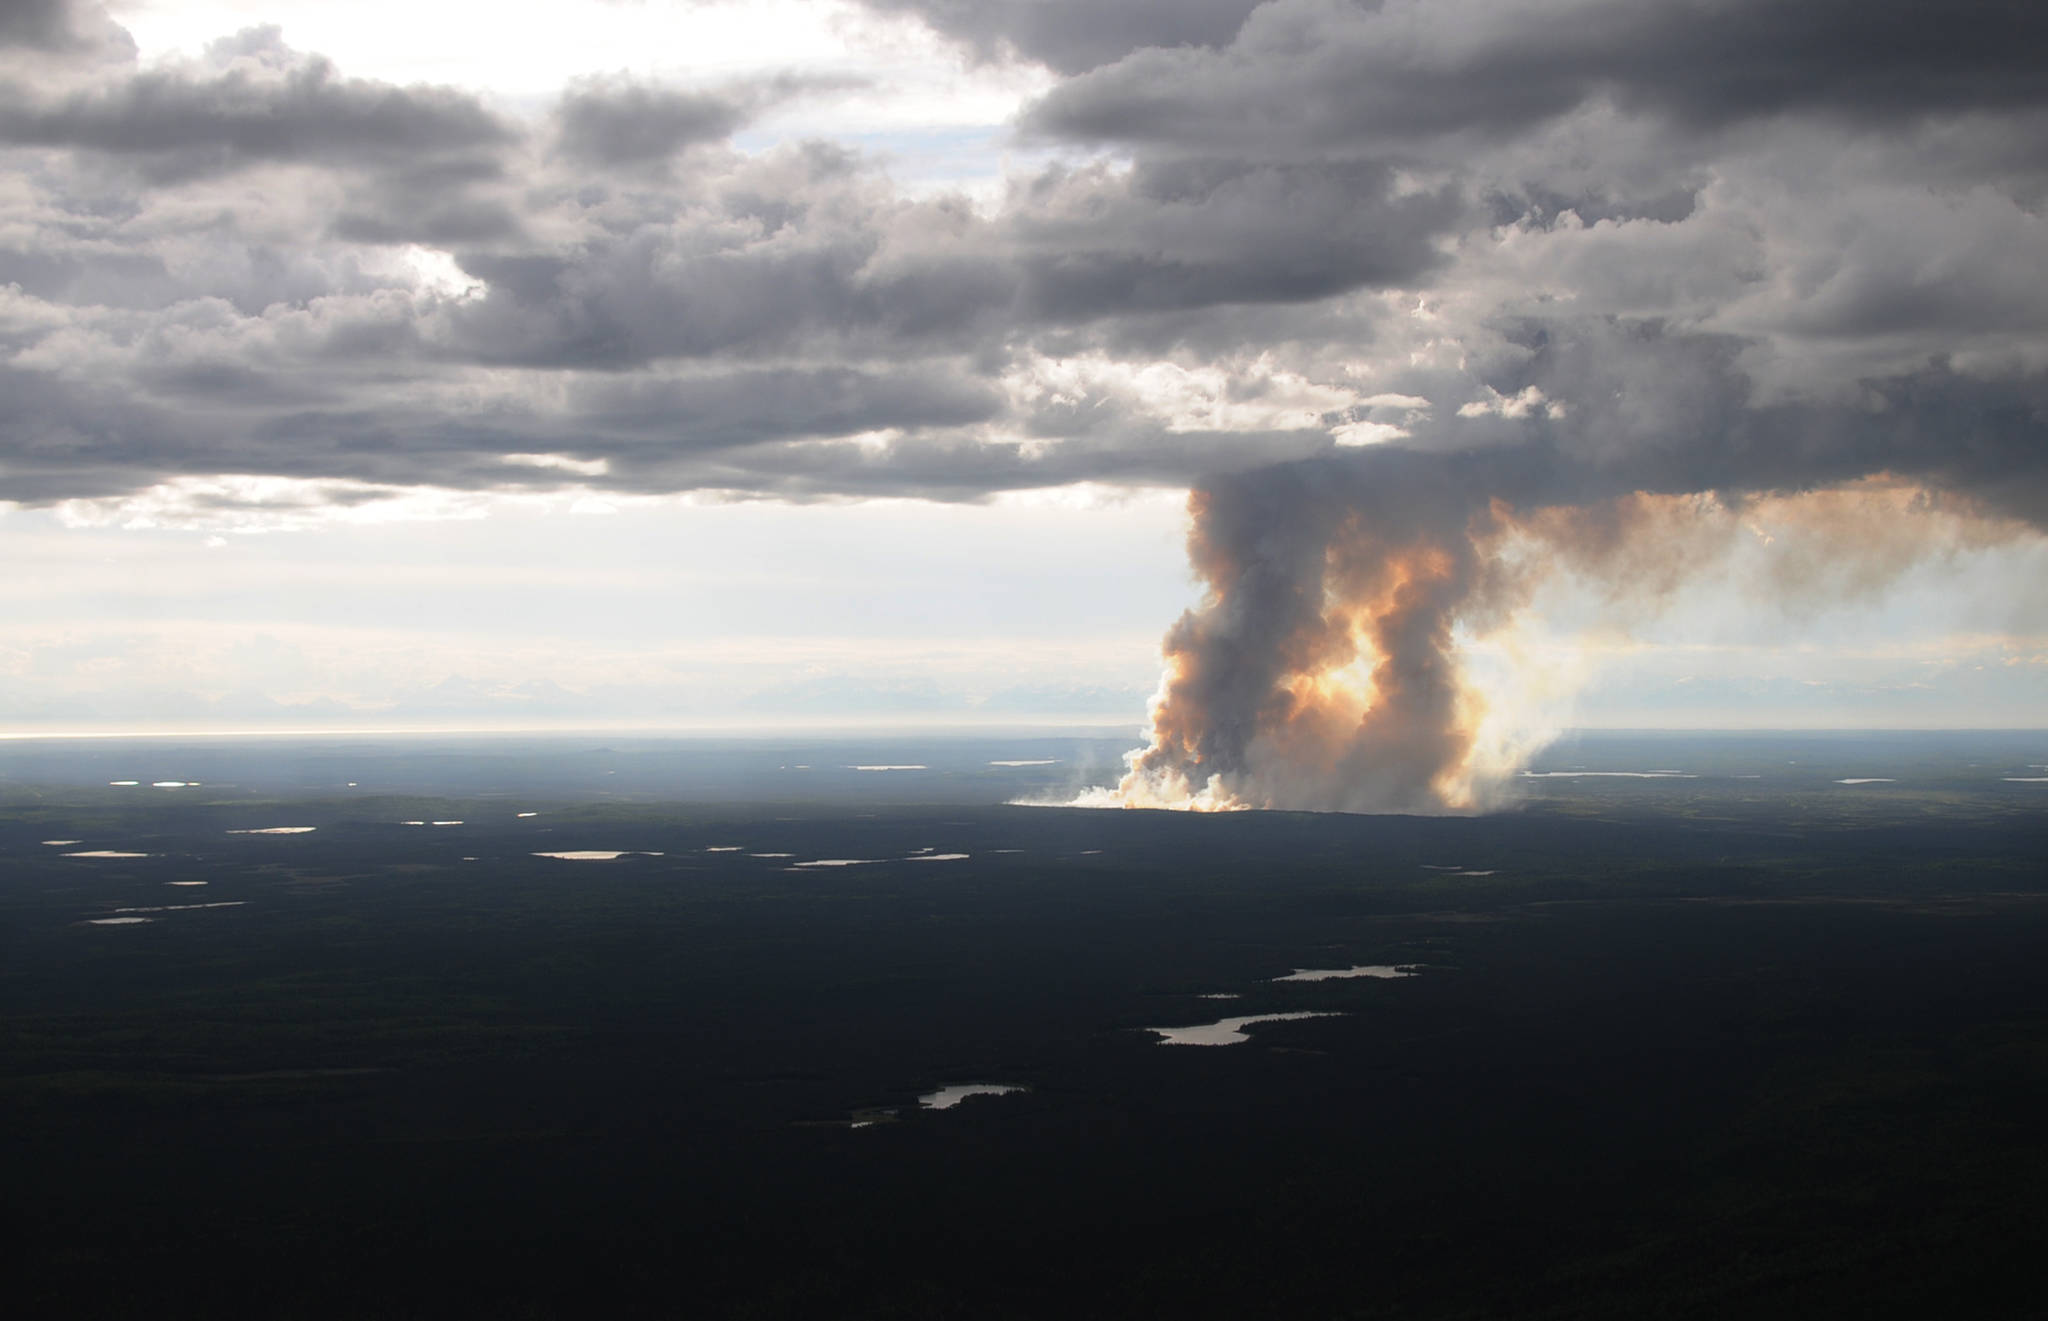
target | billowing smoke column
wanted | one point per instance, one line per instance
(1322, 670)
(1326, 668)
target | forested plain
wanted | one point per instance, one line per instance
(1746, 1040)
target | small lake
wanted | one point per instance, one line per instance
(1380, 970)
(1227, 1031)
(184, 908)
(947, 1097)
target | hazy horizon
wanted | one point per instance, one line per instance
(851, 729)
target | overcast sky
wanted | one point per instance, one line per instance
(405, 365)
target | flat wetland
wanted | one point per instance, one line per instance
(1739, 1040)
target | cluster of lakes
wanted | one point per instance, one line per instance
(1232, 1031)
(1235, 1029)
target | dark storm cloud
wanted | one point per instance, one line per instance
(1178, 234)
(1667, 412)
(1539, 229)
(825, 259)
(183, 124)
(1075, 35)
(391, 212)
(721, 282)
(1335, 75)
(60, 27)
(44, 24)
(60, 439)
(630, 125)
(622, 123)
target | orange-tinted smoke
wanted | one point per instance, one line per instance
(1323, 671)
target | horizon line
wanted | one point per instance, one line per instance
(856, 728)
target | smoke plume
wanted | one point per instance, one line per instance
(1327, 668)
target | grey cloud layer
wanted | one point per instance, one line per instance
(1337, 75)
(1076, 35)
(615, 122)
(58, 26)
(184, 123)
(1720, 245)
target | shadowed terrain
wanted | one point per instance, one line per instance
(1685, 1046)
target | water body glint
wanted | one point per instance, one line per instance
(947, 1097)
(938, 857)
(599, 855)
(865, 1117)
(105, 853)
(182, 908)
(117, 921)
(1869, 779)
(1383, 971)
(1227, 1031)
(277, 830)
